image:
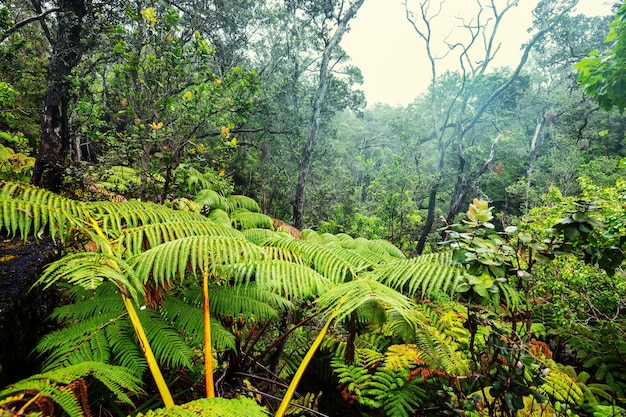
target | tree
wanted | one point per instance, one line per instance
(66, 54)
(331, 14)
(601, 74)
(454, 118)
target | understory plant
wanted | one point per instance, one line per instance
(232, 303)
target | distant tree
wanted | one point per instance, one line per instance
(455, 115)
(602, 74)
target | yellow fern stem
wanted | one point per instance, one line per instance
(168, 401)
(298, 375)
(208, 356)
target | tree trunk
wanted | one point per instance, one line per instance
(66, 54)
(306, 158)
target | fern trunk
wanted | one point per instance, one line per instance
(208, 356)
(168, 401)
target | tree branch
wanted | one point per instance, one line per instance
(26, 21)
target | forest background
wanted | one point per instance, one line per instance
(191, 104)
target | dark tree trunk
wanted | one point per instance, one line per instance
(306, 158)
(66, 53)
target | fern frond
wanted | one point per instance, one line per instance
(120, 216)
(560, 386)
(220, 216)
(212, 199)
(211, 407)
(259, 236)
(287, 279)
(171, 259)
(312, 236)
(90, 270)
(343, 299)
(236, 202)
(421, 275)
(250, 220)
(167, 343)
(50, 384)
(325, 260)
(138, 239)
(437, 350)
(391, 249)
(227, 301)
(23, 218)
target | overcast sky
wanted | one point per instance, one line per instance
(383, 44)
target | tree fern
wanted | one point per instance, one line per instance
(211, 407)
(138, 239)
(259, 236)
(212, 199)
(250, 220)
(341, 300)
(422, 275)
(53, 384)
(164, 263)
(325, 260)
(90, 270)
(288, 279)
(168, 345)
(238, 202)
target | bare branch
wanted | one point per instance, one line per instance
(25, 22)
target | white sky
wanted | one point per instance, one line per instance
(383, 44)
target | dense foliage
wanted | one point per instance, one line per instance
(462, 255)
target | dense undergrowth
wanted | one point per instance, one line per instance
(521, 320)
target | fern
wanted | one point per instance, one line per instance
(138, 239)
(53, 384)
(212, 199)
(211, 407)
(259, 236)
(250, 220)
(330, 262)
(90, 269)
(422, 275)
(287, 279)
(237, 202)
(172, 259)
(341, 300)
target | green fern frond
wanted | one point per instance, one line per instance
(421, 275)
(212, 199)
(250, 220)
(50, 384)
(39, 196)
(138, 239)
(328, 261)
(15, 394)
(391, 249)
(220, 216)
(437, 349)
(124, 215)
(343, 299)
(23, 218)
(211, 407)
(560, 386)
(287, 279)
(228, 301)
(90, 270)
(237, 202)
(312, 236)
(259, 236)
(309, 400)
(171, 259)
(283, 254)
(124, 347)
(167, 343)
(329, 238)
